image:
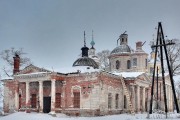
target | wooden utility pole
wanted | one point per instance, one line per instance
(160, 43)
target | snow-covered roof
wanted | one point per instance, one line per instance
(35, 73)
(6, 78)
(128, 74)
(152, 60)
(75, 69)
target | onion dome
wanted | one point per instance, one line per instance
(121, 49)
(85, 61)
(92, 42)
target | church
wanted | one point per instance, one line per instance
(85, 89)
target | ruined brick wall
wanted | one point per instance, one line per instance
(47, 88)
(94, 89)
(112, 85)
(86, 85)
(34, 90)
(10, 87)
(22, 93)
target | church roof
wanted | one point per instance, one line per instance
(85, 61)
(128, 74)
(121, 49)
(77, 69)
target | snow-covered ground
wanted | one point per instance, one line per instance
(41, 116)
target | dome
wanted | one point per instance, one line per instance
(85, 61)
(121, 49)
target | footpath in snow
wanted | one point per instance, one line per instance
(41, 116)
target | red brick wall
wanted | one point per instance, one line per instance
(47, 88)
(22, 91)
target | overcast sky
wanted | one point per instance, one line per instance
(51, 31)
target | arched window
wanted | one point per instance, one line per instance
(151, 70)
(134, 61)
(122, 40)
(146, 62)
(128, 64)
(117, 64)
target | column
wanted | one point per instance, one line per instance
(169, 98)
(143, 99)
(172, 99)
(138, 98)
(40, 96)
(133, 97)
(17, 95)
(53, 94)
(63, 95)
(27, 98)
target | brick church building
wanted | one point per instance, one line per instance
(84, 89)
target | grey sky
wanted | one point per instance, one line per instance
(51, 31)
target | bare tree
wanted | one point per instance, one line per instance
(103, 58)
(8, 54)
(174, 56)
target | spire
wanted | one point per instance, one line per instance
(84, 49)
(84, 39)
(92, 42)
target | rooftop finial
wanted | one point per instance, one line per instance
(92, 42)
(84, 39)
(92, 35)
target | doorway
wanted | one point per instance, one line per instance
(46, 104)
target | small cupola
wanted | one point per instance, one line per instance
(84, 49)
(123, 39)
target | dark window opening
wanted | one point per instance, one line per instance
(146, 62)
(117, 100)
(134, 61)
(128, 64)
(125, 102)
(117, 64)
(151, 70)
(109, 100)
(122, 40)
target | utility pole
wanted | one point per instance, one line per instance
(161, 44)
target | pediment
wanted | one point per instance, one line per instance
(143, 80)
(32, 69)
(144, 77)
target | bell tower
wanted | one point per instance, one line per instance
(123, 39)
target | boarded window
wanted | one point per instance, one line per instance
(33, 101)
(109, 100)
(116, 101)
(58, 100)
(76, 99)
